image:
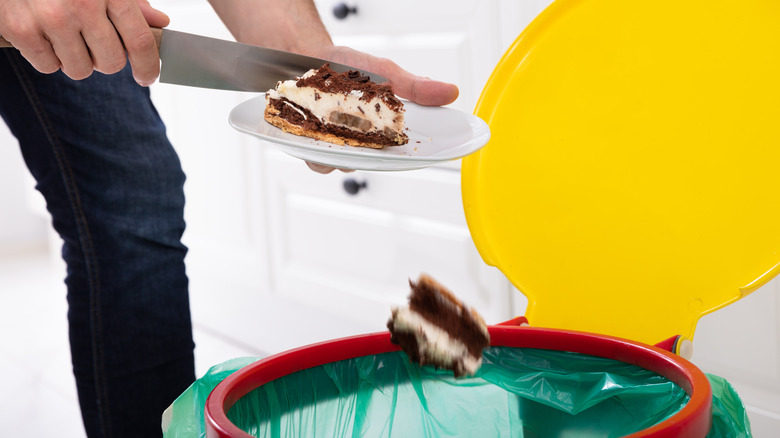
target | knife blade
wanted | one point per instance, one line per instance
(199, 61)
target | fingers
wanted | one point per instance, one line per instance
(138, 39)
(75, 37)
(81, 36)
(418, 89)
(320, 168)
(20, 26)
(37, 50)
(154, 17)
(74, 57)
(105, 48)
(425, 91)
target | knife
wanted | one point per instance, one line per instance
(200, 61)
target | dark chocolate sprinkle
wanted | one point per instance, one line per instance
(327, 80)
(357, 76)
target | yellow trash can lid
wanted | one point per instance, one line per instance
(632, 179)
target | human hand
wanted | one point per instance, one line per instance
(418, 89)
(321, 168)
(79, 37)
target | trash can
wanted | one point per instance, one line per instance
(534, 382)
(363, 386)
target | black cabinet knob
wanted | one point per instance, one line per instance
(352, 187)
(341, 10)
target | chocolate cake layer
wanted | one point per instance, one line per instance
(302, 117)
(438, 329)
(438, 306)
(408, 343)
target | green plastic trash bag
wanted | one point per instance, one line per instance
(729, 417)
(185, 417)
(517, 392)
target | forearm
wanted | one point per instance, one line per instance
(291, 25)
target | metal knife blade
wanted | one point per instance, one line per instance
(200, 61)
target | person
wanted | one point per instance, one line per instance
(75, 95)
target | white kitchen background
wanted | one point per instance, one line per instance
(281, 257)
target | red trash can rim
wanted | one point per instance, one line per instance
(693, 420)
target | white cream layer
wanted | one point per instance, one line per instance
(435, 342)
(328, 103)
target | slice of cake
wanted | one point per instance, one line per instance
(438, 329)
(341, 108)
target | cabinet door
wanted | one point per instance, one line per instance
(352, 255)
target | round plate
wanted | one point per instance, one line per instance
(436, 135)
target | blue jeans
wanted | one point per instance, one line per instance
(114, 187)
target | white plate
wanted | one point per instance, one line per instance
(436, 135)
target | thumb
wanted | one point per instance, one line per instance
(418, 89)
(424, 91)
(154, 17)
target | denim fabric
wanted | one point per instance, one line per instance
(114, 187)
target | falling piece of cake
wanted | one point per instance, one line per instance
(438, 329)
(341, 108)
